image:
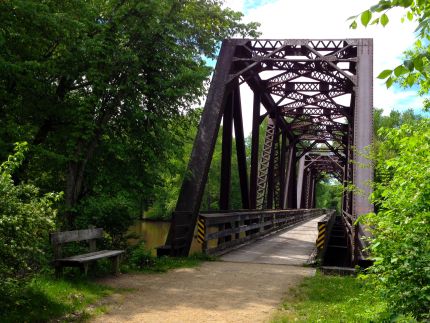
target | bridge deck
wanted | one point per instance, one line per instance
(291, 247)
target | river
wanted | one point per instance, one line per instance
(154, 233)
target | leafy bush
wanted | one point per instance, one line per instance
(401, 226)
(112, 213)
(140, 257)
(25, 221)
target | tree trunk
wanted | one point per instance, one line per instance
(84, 153)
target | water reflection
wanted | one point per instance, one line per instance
(154, 233)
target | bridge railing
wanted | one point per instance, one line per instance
(219, 231)
(357, 239)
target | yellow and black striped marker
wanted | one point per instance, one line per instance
(321, 234)
(201, 229)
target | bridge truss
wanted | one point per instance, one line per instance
(316, 96)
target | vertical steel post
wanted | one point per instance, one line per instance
(313, 192)
(227, 136)
(254, 149)
(300, 173)
(193, 185)
(282, 170)
(290, 177)
(240, 147)
(293, 183)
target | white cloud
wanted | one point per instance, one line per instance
(308, 19)
(236, 5)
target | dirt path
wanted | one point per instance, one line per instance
(214, 292)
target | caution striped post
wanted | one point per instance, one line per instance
(201, 230)
(321, 235)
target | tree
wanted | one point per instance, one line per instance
(415, 68)
(211, 194)
(381, 123)
(328, 193)
(94, 87)
(167, 192)
(394, 120)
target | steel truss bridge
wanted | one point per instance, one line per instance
(316, 95)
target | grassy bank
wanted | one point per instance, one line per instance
(47, 298)
(333, 299)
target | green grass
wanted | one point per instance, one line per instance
(46, 298)
(69, 299)
(163, 264)
(333, 299)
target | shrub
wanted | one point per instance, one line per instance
(112, 213)
(25, 221)
(140, 257)
(401, 226)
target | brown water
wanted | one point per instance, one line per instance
(154, 233)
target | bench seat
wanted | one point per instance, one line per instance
(91, 256)
(83, 260)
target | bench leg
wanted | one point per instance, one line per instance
(84, 268)
(115, 265)
(58, 271)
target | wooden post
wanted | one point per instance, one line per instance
(115, 265)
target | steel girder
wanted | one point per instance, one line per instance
(317, 95)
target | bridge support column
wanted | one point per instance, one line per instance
(227, 137)
(312, 205)
(179, 240)
(290, 184)
(363, 135)
(240, 147)
(307, 189)
(282, 180)
(300, 182)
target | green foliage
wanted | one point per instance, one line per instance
(112, 213)
(140, 257)
(45, 299)
(164, 264)
(333, 299)
(415, 10)
(211, 195)
(414, 69)
(392, 121)
(26, 218)
(365, 17)
(401, 225)
(329, 194)
(96, 88)
(166, 191)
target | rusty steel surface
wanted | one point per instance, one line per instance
(317, 98)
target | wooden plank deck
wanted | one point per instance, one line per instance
(291, 247)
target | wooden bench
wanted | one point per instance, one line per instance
(83, 260)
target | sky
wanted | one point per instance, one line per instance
(313, 19)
